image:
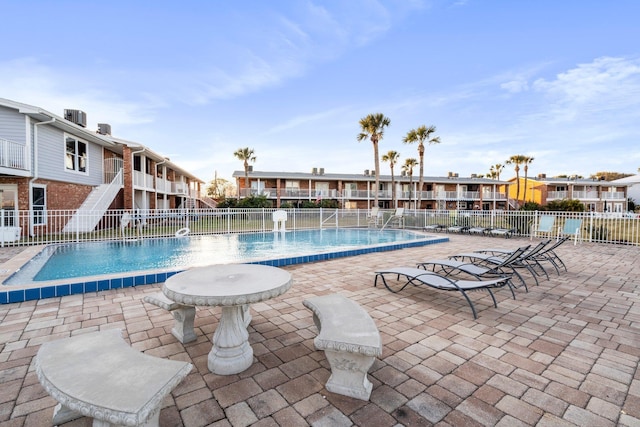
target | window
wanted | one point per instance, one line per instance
(8, 204)
(76, 155)
(39, 204)
(292, 188)
(322, 189)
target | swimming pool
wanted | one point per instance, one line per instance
(67, 269)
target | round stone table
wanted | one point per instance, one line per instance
(233, 287)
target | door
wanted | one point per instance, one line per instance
(9, 204)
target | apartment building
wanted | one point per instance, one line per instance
(357, 191)
(52, 162)
(596, 195)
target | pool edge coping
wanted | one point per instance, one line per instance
(66, 287)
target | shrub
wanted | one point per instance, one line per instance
(565, 205)
(255, 202)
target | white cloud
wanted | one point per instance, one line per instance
(515, 86)
(606, 84)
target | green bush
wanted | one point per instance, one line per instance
(247, 202)
(255, 202)
(565, 205)
(532, 206)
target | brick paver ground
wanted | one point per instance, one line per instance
(565, 353)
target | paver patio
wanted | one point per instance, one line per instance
(564, 354)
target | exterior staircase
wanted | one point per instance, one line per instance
(87, 217)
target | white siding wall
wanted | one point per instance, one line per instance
(51, 154)
(12, 125)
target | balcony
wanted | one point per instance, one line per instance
(13, 155)
(614, 195)
(163, 185)
(142, 181)
(584, 195)
(557, 195)
(180, 188)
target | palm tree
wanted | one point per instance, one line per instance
(495, 171)
(392, 157)
(246, 155)
(421, 135)
(372, 128)
(407, 168)
(517, 160)
(526, 162)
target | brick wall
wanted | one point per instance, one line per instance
(64, 195)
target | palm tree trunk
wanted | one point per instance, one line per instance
(525, 183)
(393, 189)
(421, 180)
(377, 166)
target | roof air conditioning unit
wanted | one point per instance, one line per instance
(542, 175)
(104, 129)
(455, 175)
(474, 175)
(76, 116)
(366, 172)
(321, 171)
(249, 168)
(314, 171)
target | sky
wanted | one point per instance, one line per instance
(193, 80)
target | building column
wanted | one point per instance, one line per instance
(127, 177)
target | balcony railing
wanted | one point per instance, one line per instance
(618, 195)
(142, 180)
(295, 193)
(12, 154)
(586, 195)
(552, 195)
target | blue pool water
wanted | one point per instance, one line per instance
(74, 267)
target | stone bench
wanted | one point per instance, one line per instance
(184, 316)
(350, 340)
(99, 375)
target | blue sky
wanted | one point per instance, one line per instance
(196, 80)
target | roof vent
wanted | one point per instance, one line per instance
(104, 129)
(76, 116)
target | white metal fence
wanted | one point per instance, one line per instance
(19, 228)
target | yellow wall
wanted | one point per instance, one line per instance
(534, 190)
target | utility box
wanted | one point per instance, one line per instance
(10, 234)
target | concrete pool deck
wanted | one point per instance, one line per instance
(564, 354)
